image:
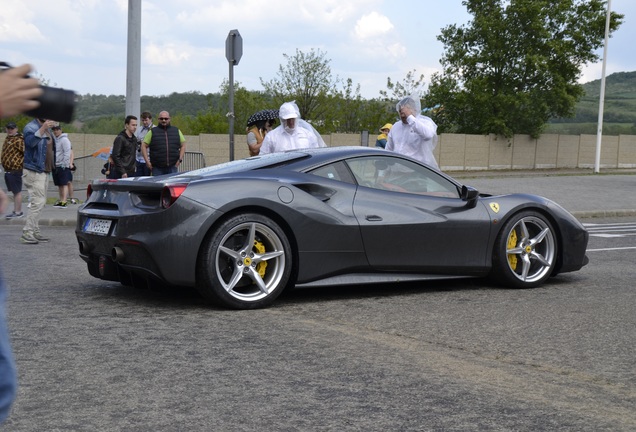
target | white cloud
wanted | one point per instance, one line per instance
(16, 24)
(167, 54)
(372, 25)
(81, 44)
(396, 51)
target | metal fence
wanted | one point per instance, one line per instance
(192, 161)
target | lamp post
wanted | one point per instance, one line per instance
(599, 131)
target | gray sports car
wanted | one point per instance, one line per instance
(243, 231)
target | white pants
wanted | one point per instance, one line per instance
(35, 184)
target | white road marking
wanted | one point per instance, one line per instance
(610, 249)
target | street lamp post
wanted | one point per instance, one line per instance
(599, 131)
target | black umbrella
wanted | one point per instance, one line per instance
(268, 114)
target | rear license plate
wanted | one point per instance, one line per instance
(97, 226)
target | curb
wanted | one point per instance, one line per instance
(43, 222)
(603, 213)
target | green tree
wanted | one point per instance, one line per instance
(246, 103)
(516, 64)
(107, 125)
(410, 85)
(307, 79)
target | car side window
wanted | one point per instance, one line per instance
(400, 175)
(336, 171)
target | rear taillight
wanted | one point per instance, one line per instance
(170, 193)
(89, 191)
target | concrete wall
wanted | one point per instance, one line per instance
(454, 152)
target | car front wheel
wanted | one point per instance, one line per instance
(246, 263)
(526, 251)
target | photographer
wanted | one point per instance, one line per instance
(16, 96)
(21, 94)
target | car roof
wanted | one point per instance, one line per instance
(296, 160)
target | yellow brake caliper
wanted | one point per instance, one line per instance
(260, 248)
(512, 242)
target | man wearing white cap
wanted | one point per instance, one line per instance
(293, 132)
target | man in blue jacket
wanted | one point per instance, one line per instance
(37, 137)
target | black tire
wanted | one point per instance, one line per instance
(245, 263)
(526, 251)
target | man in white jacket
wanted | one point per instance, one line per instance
(292, 133)
(415, 135)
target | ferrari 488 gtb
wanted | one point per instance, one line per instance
(243, 231)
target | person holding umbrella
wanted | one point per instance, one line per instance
(258, 125)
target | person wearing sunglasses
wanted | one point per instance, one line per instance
(166, 145)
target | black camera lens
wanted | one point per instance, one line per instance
(55, 104)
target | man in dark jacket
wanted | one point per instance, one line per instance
(167, 147)
(125, 150)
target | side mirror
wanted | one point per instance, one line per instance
(469, 194)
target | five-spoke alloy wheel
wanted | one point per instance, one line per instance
(525, 251)
(246, 262)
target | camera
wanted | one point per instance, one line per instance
(55, 103)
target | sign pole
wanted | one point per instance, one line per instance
(233, 53)
(230, 113)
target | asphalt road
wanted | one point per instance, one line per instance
(451, 356)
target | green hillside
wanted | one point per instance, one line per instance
(100, 113)
(619, 112)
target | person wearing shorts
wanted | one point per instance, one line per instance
(62, 174)
(12, 162)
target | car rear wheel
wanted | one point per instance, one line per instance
(246, 263)
(525, 251)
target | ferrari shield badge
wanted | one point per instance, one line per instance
(495, 207)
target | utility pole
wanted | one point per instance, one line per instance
(133, 60)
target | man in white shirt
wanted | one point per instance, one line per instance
(293, 132)
(415, 135)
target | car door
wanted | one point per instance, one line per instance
(413, 219)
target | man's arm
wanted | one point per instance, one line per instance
(32, 137)
(67, 149)
(422, 126)
(115, 155)
(182, 148)
(144, 153)
(144, 148)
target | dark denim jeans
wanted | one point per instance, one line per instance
(157, 171)
(8, 376)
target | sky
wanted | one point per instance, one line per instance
(82, 44)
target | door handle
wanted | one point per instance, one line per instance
(373, 218)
